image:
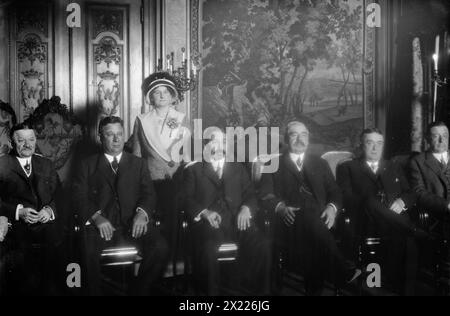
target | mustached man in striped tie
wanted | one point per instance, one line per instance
(304, 196)
(28, 190)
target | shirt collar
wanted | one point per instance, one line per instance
(24, 161)
(373, 163)
(439, 157)
(295, 157)
(111, 158)
(218, 163)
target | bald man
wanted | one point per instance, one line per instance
(306, 199)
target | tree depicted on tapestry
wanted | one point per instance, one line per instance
(267, 62)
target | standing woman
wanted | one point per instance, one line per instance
(157, 137)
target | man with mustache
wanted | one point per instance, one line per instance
(304, 196)
(221, 203)
(28, 189)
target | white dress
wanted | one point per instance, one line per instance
(159, 140)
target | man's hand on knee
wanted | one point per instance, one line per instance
(213, 218)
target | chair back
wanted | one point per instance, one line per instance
(335, 158)
(57, 132)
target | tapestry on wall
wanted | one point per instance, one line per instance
(268, 62)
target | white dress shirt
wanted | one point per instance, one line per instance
(296, 158)
(373, 165)
(23, 162)
(442, 158)
(218, 164)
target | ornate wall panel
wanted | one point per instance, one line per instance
(107, 59)
(31, 67)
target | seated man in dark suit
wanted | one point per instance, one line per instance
(28, 187)
(430, 175)
(304, 195)
(221, 203)
(377, 193)
(113, 194)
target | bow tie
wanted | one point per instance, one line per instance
(27, 168)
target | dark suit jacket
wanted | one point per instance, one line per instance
(358, 183)
(15, 188)
(94, 188)
(283, 185)
(203, 188)
(428, 181)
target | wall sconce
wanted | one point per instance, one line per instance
(186, 79)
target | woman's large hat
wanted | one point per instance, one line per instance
(161, 79)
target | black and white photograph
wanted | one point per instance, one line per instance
(224, 154)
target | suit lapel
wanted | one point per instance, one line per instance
(17, 168)
(290, 165)
(209, 172)
(383, 173)
(36, 169)
(365, 167)
(124, 169)
(311, 176)
(105, 169)
(434, 165)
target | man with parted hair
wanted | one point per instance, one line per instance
(306, 199)
(378, 196)
(430, 173)
(115, 200)
(28, 188)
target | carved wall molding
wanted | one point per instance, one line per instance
(108, 21)
(31, 61)
(33, 17)
(107, 47)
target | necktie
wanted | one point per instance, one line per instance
(443, 163)
(374, 167)
(300, 164)
(27, 168)
(115, 165)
